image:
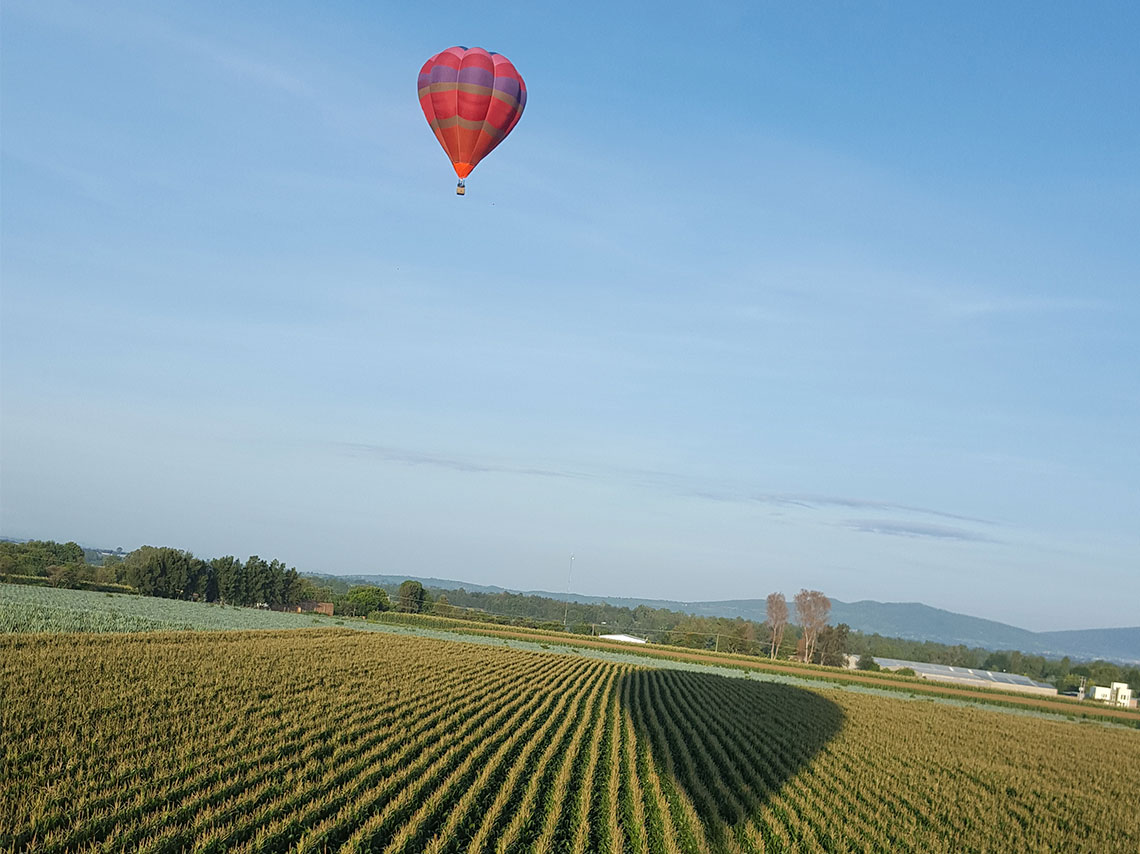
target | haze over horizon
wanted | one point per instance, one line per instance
(753, 298)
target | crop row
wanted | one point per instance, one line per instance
(333, 740)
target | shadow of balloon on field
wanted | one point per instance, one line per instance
(728, 744)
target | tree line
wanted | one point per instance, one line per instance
(171, 573)
(809, 638)
(662, 625)
(177, 574)
(160, 571)
(60, 564)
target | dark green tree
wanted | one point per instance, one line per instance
(308, 591)
(166, 572)
(230, 578)
(210, 590)
(410, 598)
(67, 575)
(199, 576)
(831, 645)
(867, 662)
(275, 583)
(362, 601)
(258, 581)
(291, 587)
(998, 662)
(36, 556)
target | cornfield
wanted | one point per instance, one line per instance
(331, 740)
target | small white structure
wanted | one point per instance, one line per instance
(623, 638)
(1118, 695)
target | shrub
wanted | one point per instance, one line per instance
(867, 662)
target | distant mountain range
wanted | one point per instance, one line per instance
(916, 621)
(908, 620)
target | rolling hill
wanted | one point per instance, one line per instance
(909, 620)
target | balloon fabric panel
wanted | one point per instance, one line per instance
(472, 99)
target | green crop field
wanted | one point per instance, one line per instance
(26, 609)
(46, 609)
(330, 740)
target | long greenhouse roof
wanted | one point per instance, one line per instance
(945, 671)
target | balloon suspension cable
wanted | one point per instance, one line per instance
(461, 188)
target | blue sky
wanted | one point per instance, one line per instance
(756, 297)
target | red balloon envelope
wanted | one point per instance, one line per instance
(472, 99)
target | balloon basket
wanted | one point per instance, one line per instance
(460, 189)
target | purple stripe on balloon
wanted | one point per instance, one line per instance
(478, 76)
(444, 74)
(508, 85)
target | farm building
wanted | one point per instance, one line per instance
(309, 607)
(623, 638)
(1118, 695)
(969, 676)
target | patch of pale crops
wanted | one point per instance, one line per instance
(25, 608)
(338, 740)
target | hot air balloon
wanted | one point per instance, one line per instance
(472, 99)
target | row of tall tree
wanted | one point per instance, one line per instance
(172, 573)
(160, 571)
(175, 574)
(812, 609)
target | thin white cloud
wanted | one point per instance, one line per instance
(468, 465)
(681, 484)
(897, 528)
(813, 501)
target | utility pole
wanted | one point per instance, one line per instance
(566, 613)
